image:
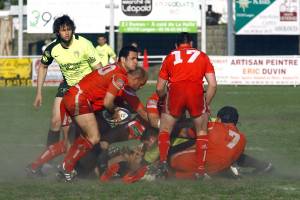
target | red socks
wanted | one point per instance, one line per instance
(201, 147)
(109, 172)
(79, 148)
(51, 152)
(163, 145)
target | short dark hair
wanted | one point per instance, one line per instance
(183, 38)
(228, 114)
(61, 21)
(102, 35)
(124, 52)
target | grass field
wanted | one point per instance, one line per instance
(269, 116)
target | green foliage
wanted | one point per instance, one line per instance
(16, 2)
(1, 4)
(269, 116)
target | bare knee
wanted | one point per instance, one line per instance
(93, 138)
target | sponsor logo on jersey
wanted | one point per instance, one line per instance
(119, 83)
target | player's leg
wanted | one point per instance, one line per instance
(87, 122)
(201, 141)
(174, 104)
(166, 125)
(51, 152)
(55, 123)
(54, 146)
(251, 162)
(198, 110)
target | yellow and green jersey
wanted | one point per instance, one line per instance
(105, 52)
(76, 61)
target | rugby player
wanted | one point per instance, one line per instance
(95, 92)
(104, 50)
(183, 71)
(76, 57)
(226, 147)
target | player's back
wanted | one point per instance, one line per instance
(225, 144)
(96, 84)
(186, 64)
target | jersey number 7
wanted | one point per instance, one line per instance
(235, 139)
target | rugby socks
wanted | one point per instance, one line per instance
(136, 176)
(51, 152)
(53, 137)
(110, 172)
(79, 148)
(163, 145)
(201, 147)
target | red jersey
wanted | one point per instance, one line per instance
(225, 145)
(111, 78)
(185, 64)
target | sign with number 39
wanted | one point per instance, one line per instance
(90, 16)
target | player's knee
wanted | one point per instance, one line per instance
(94, 139)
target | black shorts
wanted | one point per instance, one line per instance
(62, 89)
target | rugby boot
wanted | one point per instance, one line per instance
(65, 175)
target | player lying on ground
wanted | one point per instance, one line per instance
(226, 144)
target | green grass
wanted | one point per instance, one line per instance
(269, 116)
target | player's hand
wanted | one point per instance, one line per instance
(37, 101)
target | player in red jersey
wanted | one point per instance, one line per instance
(183, 70)
(225, 145)
(95, 92)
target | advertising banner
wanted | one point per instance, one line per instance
(158, 16)
(54, 76)
(15, 72)
(257, 70)
(90, 16)
(148, 16)
(267, 17)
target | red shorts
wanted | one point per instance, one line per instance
(76, 103)
(64, 116)
(185, 95)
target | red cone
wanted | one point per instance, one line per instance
(145, 60)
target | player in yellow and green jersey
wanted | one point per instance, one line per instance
(76, 57)
(104, 50)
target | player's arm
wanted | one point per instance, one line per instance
(154, 119)
(142, 113)
(160, 87)
(162, 79)
(92, 56)
(211, 80)
(211, 87)
(46, 60)
(41, 76)
(153, 112)
(117, 83)
(135, 103)
(112, 54)
(109, 102)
